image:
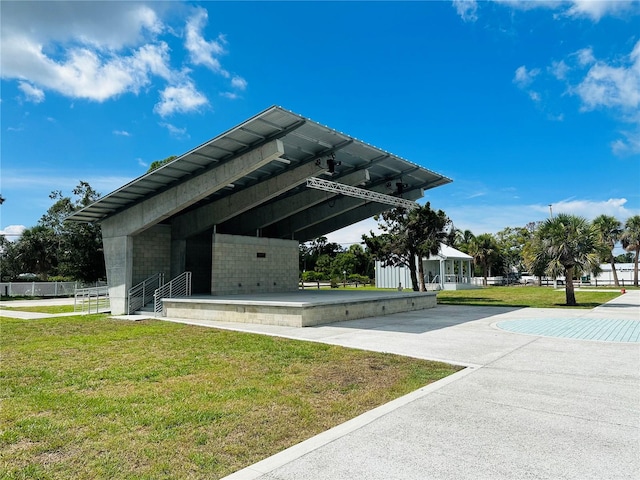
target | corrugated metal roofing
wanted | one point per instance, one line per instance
(303, 141)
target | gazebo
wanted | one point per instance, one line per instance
(450, 269)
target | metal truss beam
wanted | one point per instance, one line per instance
(348, 190)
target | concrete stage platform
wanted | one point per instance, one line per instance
(303, 308)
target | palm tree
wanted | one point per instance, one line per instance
(569, 243)
(609, 230)
(483, 249)
(631, 242)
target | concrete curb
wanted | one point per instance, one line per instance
(299, 450)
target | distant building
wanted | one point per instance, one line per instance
(450, 269)
(623, 270)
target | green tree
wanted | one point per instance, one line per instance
(9, 265)
(35, 251)
(626, 257)
(56, 247)
(310, 252)
(631, 242)
(364, 262)
(324, 265)
(535, 261)
(609, 231)
(427, 230)
(313, 276)
(484, 251)
(158, 163)
(568, 243)
(407, 236)
(344, 262)
(391, 247)
(464, 241)
(511, 243)
(80, 254)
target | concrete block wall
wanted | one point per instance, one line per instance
(242, 265)
(152, 253)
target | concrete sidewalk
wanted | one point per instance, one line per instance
(527, 406)
(34, 303)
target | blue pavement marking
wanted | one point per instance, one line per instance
(601, 329)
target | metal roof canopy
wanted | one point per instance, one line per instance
(305, 142)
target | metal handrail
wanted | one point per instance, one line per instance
(93, 299)
(434, 284)
(177, 287)
(142, 293)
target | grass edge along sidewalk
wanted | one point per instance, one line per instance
(535, 297)
(90, 397)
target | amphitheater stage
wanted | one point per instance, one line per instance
(303, 308)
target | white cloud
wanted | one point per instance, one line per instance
(201, 51)
(239, 83)
(467, 9)
(121, 133)
(142, 163)
(130, 23)
(523, 77)
(629, 144)
(69, 48)
(590, 209)
(175, 131)
(31, 93)
(559, 70)
(596, 9)
(13, 232)
(591, 9)
(353, 233)
(84, 73)
(181, 99)
(585, 56)
(612, 85)
(484, 218)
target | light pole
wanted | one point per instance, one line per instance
(550, 211)
(345, 278)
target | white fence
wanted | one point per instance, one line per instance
(41, 289)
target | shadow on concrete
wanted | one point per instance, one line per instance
(617, 305)
(422, 321)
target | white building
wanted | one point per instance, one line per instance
(623, 270)
(450, 269)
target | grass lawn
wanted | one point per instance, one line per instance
(87, 397)
(521, 296)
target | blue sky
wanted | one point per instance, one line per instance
(522, 104)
